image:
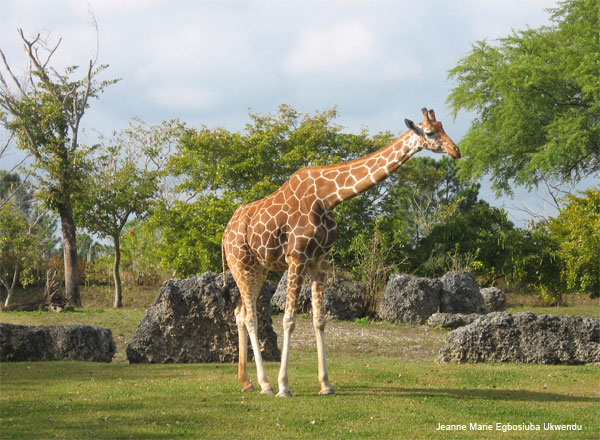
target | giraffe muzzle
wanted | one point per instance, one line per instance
(452, 151)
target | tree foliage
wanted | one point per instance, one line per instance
(139, 252)
(421, 190)
(26, 234)
(533, 264)
(577, 230)
(480, 236)
(536, 99)
(17, 246)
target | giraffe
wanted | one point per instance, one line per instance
(293, 229)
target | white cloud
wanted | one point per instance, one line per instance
(334, 46)
(180, 46)
(188, 98)
(491, 19)
(113, 6)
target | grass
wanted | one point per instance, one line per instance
(376, 397)
(573, 305)
(386, 382)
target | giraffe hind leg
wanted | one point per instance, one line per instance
(249, 282)
(243, 349)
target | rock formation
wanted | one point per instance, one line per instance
(192, 320)
(525, 337)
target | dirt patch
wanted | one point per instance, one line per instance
(410, 343)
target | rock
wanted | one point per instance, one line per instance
(52, 343)
(303, 304)
(525, 337)
(451, 320)
(460, 294)
(343, 299)
(494, 299)
(192, 320)
(410, 299)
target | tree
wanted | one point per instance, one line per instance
(533, 263)
(480, 237)
(17, 245)
(577, 231)
(536, 97)
(139, 252)
(44, 110)
(121, 185)
(371, 268)
(26, 234)
(421, 189)
(190, 239)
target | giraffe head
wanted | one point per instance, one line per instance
(431, 135)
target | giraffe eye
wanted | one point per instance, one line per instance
(430, 134)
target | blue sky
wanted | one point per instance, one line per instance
(210, 62)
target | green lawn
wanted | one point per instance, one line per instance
(573, 305)
(377, 397)
(387, 386)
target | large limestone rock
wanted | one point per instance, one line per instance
(192, 320)
(494, 299)
(303, 304)
(451, 320)
(342, 298)
(525, 337)
(52, 342)
(460, 294)
(410, 299)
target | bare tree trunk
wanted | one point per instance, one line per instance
(69, 233)
(116, 272)
(89, 254)
(8, 296)
(10, 289)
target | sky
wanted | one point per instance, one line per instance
(210, 62)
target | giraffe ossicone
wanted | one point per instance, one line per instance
(293, 229)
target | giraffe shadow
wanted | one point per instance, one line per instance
(462, 394)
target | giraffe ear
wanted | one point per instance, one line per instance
(411, 125)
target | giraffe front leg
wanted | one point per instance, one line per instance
(294, 284)
(289, 322)
(319, 325)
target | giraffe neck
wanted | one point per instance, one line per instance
(359, 175)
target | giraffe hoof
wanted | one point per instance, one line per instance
(284, 394)
(267, 392)
(248, 388)
(326, 392)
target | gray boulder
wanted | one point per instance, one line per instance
(303, 304)
(52, 343)
(410, 299)
(525, 337)
(451, 320)
(192, 320)
(494, 299)
(343, 299)
(460, 294)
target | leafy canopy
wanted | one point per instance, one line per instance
(536, 97)
(577, 230)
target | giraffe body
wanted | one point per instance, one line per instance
(293, 229)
